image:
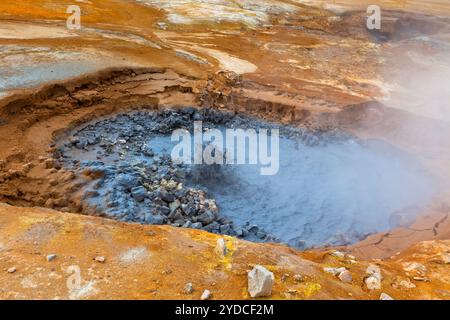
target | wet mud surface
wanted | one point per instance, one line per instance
(331, 188)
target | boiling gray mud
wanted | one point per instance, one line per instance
(331, 188)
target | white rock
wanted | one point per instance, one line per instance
(100, 259)
(206, 295)
(414, 266)
(334, 271)
(338, 254)
(373, 269)
(299, 278)
(51, 257)
(12, 270)
(174, 205)
(260, 282)
(446, 258)
(345, 276)
(373, 283)
(188, 288)
(385, 296)
(221, 247)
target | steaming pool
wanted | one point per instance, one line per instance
(330, 188)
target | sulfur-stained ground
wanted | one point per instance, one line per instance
(306, 63)
(155, 262)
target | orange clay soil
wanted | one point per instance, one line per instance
(155, 262)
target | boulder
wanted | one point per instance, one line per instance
(260, 282)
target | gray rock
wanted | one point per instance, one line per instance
(261, 234)
(174, 205)
(187, 224)
(196, 225)
(167, 197)
(139, 193)
(126, 181)
(260, 282)
(164, 210)
(212, 227)
(154, 218)
(225, 229)
(206, 218)
(175, 215)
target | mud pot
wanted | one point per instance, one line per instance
(331, 188)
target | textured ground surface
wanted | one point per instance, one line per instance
(148, 262)
(302, 63)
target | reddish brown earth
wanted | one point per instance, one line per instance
(309, 69)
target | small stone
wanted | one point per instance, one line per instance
(51, 257)
(206, 295)
(174, 205)
(153, 219)
(338, 254)
(414, 266)
(12, 270)
(196, 225)
(139, 193)
(165, 210)
(422, 279)
(334, 271)
(284, 277)
(446, 258)
(188, 288)
(299, 278)
(385, 296)
(407, 284)
(345, 276)
(100, 259)
(167, 197)
(260, 282)
(221, 247)
(225, 229)
(206, 218)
